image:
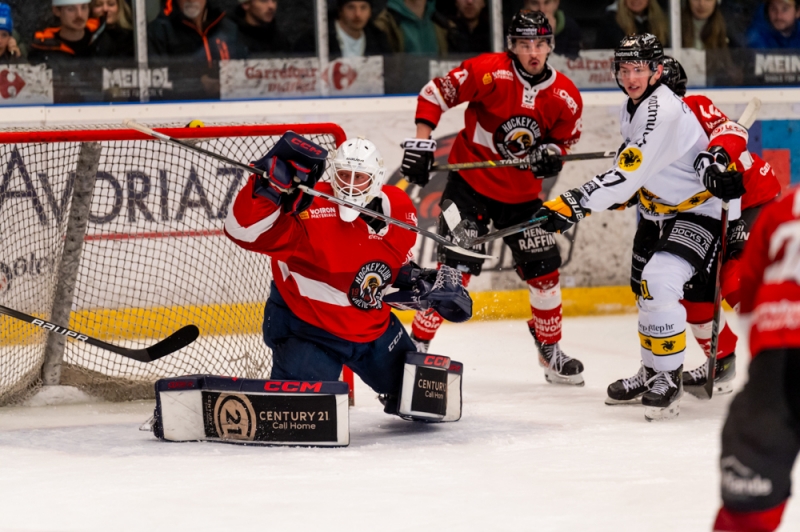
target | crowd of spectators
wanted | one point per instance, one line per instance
(197, 34)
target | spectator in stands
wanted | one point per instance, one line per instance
(259, 30)
(9, 51)
(76, 36)
(119, 27)
(469, 31)
(351, 33)
(568, 33)
(191, 38)
(414, 27)
(703, 26)
(779, 28)
(626, 17)
(738, 15)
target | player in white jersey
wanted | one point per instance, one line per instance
(679, 229)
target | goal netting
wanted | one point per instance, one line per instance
(121, 236)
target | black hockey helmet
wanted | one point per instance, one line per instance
(674, 76)
(644, 47)
(526, 24)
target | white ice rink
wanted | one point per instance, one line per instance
(527, 455)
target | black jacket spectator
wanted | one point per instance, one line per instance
(377, 44)
(460, 40)
(265, 40)
(173, 36)
(568, 35)
(48, 46)
(653, 20)
(117, 42)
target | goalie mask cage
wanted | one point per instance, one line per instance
(119, 236)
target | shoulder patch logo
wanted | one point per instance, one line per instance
(366, 291)
(487, 78)
(630, 159)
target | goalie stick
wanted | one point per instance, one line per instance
(520, 162)
(333, 199)
(746, 120)
(177, 340)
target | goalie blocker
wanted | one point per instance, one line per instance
(431, 389)
(252, 411)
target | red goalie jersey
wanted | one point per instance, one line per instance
(331, 273)
(506, 118)
(759, 178)
(771, 276)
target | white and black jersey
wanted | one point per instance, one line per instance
(662, 139)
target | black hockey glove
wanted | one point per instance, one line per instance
(545, 161)
(293, 160)
(712, 167)
(422, 289)
(563, 212)
(417, 160)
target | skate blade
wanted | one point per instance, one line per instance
(618, 402)
(720, 388)
(652, 413)
(573, 380)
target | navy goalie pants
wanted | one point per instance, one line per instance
(303, 352)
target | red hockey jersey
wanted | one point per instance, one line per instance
(770, 270)
(331, 273)
(759, 178)
(506, 118)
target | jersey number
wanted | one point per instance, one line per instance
(602, 178)
(786, 237)
(646, 291)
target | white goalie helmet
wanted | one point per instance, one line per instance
(358, 174)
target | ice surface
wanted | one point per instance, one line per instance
(526, 456)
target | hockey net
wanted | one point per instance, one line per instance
(151, 258)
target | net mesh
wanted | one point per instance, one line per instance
(154, 257)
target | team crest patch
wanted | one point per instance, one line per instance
(366, 292)
(516, 137)
(630, 159)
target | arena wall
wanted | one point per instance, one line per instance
(596, 255)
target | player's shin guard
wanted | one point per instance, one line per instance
(699, 316)
(662, 330)
(427, 322)
(730, 283)
(545, 298)
(763, 521)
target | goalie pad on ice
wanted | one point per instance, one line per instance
(431, 389)
(252, 411)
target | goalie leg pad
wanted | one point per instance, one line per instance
(252, 411)
(423, 395)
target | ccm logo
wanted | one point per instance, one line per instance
(180, 384)
(433, 360)
(306, 146)
(292, 386)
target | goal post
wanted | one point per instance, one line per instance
(114, 234)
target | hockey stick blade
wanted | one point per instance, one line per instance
(369, 212)
(750, 113)
(177, 340)
(504, 163)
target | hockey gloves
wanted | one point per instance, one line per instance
(718, 174)
(294, 160)
(417, 160)
(545, 161)
(563, 212)
(422, 289)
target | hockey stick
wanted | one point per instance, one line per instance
(459, 228)
(746, 120)
(333, 199)
(504, 163)
(177, 340)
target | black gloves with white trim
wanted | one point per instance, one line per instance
(545, 161)
(293, 160)
(417, 160)
(718, 175)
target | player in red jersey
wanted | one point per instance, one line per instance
(519, 108)
(761, 437)
(727, 145)
(331, 265)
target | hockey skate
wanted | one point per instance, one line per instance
(663, 401)
(694, 380)
(422, 346)
(558, 367)
(629, 391)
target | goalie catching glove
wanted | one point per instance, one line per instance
(563, 212)
(718, 175)
(423, 289)
(294, 160)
